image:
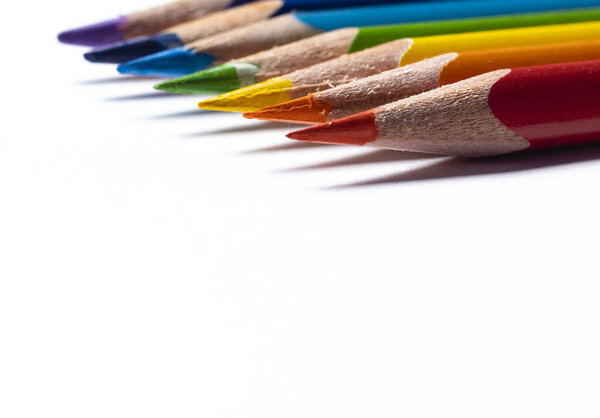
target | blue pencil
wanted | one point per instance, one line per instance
(288, 28)
(212, 24)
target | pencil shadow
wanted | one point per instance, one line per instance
(465, 167)
(291, 146)
(120, 80)
(184, 114)
(144, 96)
(375, 157)
(242, 129)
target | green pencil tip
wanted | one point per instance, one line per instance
(219, 79)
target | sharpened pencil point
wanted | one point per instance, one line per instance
(218, 79)
(303, 110)
(251, 98)
(98, 34)
(174, 62)
(214, 80)
(357, 129)
(120, 52)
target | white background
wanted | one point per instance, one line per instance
(161, 261)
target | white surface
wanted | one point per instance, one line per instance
(158, 261)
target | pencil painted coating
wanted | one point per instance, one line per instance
(368, 37)
(327, 46)
(428, 11)
(302, 24)
(494, 113)
(550, 106)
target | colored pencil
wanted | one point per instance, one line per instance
(292, 27)
(304, 53)
(146, 22)
(422, 76)
(494, 113)
(209, 25)
(349, 68)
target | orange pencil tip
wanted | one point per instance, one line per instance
(303, 110)
(357, 129)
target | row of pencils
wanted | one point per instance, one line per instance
(463, 78)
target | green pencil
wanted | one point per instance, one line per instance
(288, 58)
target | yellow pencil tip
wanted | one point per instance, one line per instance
(251, 98)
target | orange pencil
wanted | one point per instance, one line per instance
(402, 82)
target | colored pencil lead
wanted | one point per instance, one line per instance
(307, 109)
(96, 34)
(224, 77)
(249, 98)
(124, 51)
(163, 63)
(358, 129)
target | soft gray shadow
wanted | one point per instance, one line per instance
(379, 156)
(121, 80)
(241, 129)
(144, 96)
(465, 167)
(184, 114)
(291, 146)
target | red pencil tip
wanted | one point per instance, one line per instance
(354, 130)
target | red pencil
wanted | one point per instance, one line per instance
(495, 113)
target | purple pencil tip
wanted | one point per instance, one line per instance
(97, 34)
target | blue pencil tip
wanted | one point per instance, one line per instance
(120, 52)
(172, 63)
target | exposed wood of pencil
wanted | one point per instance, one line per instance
(225, 20)
(301, 54)
(451, 120)
(253, 38)
(161, 17)
(347, 68)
